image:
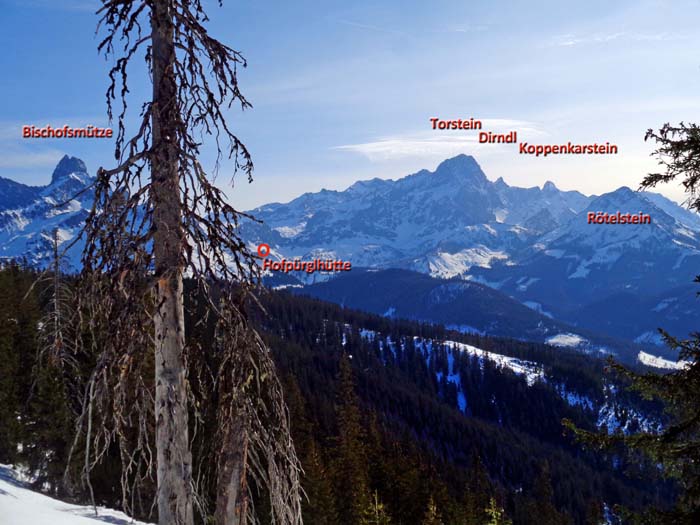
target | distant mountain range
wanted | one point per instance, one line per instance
(454, 222)
(443, 223)
(532, 247)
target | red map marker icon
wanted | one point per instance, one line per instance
(263, 250)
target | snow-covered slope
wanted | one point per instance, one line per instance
(595, 275)
(21, 506)
(531, 371)
(609, 242)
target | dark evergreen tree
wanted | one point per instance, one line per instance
(350, 466)
(319, 504)
(678, 153)
(477, 493)
(375, 514)
(19, 316)
(319, 507)
(48, 425)
(9, 367)
(542, 504)
(496, 514)
(432, 514)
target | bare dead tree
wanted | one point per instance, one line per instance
(57, 338)
(57, 348)
(156, 218)
(56, 344)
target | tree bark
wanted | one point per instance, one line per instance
(231, 498)
(174, 458)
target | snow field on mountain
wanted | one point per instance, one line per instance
(444, 264)
(531, 371)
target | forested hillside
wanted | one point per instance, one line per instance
(392, 424)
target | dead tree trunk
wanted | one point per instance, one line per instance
(58, 320)
(232, 493)
(174, 457)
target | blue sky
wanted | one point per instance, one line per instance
(344, 90)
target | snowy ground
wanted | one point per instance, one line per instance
(21, 506)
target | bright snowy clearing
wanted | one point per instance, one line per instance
(21, 506)
(660, 362)
(565, 340)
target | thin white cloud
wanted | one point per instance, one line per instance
(571, 40)
(370, 27)
(20, 153)
(467, 28)
(439, 143)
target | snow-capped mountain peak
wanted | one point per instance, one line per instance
(461, 168)
(68, 166)
(549, 187)
(27, 227)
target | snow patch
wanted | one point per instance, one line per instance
(616, 418)
(290, 231)
(581, 272)
(660, 362)
(537, 307)
(501, 215)
(21, 506)
(369, 335)
(465, 329)
(285, 286)
(525, 282)
(447, 265)
(496, 285)
(70, 207)
(664, 304)
(557, 254)
(575, 399)
(532, 371)
(566, 340)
